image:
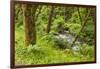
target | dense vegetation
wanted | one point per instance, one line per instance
(46, 34)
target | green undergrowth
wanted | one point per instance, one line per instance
(45, 51)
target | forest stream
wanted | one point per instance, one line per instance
(69, 38)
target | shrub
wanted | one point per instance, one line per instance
(86, 50)
(61, 43)
(74, 28)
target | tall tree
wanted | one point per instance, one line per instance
(29, 23)
(50, 19)
(84, 23)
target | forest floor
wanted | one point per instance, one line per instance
(45, 52)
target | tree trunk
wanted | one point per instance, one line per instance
(29, 24)
(84, 23)
(79, 15)
(50, 19)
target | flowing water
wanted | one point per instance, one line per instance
(69, 38)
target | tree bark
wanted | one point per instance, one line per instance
(50, 19)
(84, 23)
(79, 15)
(29, 24)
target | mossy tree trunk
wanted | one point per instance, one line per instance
(50, 19)
(29, 23)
